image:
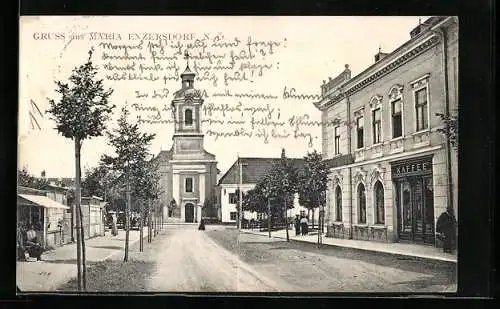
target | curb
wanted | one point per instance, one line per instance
(132, 243)
(404, 256)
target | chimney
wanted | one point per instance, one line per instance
(420, 28)
(380, 55)
(43, 174)
(283, 153)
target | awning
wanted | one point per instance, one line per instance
(42, 201)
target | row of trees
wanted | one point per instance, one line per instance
(81, 112)
(274, 193)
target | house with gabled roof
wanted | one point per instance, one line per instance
(252, 171)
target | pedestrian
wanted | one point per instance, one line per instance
(303, 225)
(114, 227)
(32, 245)
(297, 225)
(20, 242)
(201, 227)
(446, 227)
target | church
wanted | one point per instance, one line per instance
(188, 172)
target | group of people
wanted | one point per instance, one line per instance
(28, 244)
(301, 225)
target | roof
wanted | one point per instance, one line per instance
(355, 83)
(187, 71)
(38, 200)
(32, 191)
(254, 169)
(62, 182)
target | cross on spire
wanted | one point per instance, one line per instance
(186, 56)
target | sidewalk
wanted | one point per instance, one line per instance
(419, 251)
(59, 265)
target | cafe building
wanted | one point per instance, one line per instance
(392, 170)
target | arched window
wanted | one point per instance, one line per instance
(362, 203)
(188, 117)
(379, 203)
(338, 203)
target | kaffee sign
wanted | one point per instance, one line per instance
(412, 167)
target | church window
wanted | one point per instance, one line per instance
(188, 117)
(189, 184)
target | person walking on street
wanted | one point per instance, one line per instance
(114, 228)
(297, 225)
(201, 227)
(303, 225)
(446, 227)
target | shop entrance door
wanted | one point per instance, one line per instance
(415, 200)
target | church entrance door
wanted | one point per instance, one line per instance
(189, 211)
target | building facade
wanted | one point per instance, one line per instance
(46, 211)
(252, 171)
(393, 172)
(188, 171)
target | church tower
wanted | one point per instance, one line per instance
(190, 172)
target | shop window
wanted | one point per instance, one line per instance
(377, 126)
(232, 215)
(360, 132)
(338, 203)
(188, 117)
(397, 119)
(361, 203)
(421, 106)
(379, 203)
(189, 185)
(337, 140)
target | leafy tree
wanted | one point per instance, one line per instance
(451, 128)
(284, 177)
(146, 187)
(131, 150)
(81, 113)
(313, 182)
(254, 200)
(25, 179)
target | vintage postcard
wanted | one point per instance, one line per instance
(237, 154)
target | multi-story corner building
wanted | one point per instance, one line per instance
(393, 172)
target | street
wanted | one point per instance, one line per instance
(189, 260)
(222, 259)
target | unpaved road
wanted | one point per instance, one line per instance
(190, 261)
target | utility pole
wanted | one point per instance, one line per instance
(240, 193)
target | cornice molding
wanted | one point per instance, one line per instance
(398, 62)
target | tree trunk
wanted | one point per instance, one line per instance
(149, 221)
(127, 220)
(154, 222)
(286, 222)
(141, 243)
(84, 264)
(78, 217)
(312, 220)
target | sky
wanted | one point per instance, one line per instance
(308, 51)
